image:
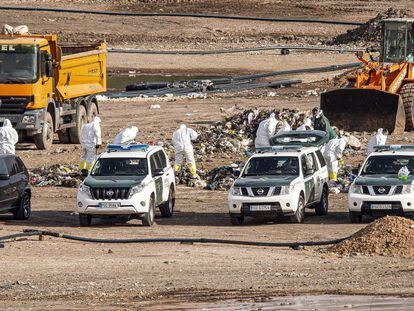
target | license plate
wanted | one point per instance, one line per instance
(381, 206)
(109, 204)
(255, 208)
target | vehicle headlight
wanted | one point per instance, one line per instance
(85, 189)
(236, 191)
(287, 189)
(135, 190)
(355, 189)
(29, 119)
(407, 189)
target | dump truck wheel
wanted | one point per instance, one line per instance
(44, 140)
(93, 112)
(407, 94)
(75, 133)
(64, 137)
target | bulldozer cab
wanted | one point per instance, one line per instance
(397, 41)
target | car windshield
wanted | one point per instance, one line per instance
(272, 166)
(387, 164)
(120, 167)
(18, 63)
(3, 167)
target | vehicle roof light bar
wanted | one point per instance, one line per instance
(113, 147)
(279, 148)
(394, 147)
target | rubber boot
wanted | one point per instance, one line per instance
(177, 167)
(89, 166)
(193, 170)
(82, 165)
(333, 176)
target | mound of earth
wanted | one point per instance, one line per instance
(370, 32)
(388, 236)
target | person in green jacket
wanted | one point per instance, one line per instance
(321, 123)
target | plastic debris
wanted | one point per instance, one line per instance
(155, 106)
(55, 176)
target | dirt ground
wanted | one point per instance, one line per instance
(60, 274)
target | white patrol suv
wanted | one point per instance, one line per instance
(377, 189)
(280, 181)
(129, 180)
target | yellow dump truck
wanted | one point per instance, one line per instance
(46, 88)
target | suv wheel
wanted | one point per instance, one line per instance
(236, 220)
(85, 220)
(24, 209)
(167, 208)
(322, 207)
(148, 219)
(300, 211)
(355, 218)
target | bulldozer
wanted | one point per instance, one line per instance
(381, 94)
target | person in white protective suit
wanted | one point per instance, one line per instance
(265, 131)
(285, 127)
(306, 126)
(91, 139)
(379, 139)
(8, 138)
(126, 136)
(333, 153)
(183, 147)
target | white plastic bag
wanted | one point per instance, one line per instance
(403, 173)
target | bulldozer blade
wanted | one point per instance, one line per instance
(364, 110)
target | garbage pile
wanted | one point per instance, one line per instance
(388, 236)
(370, 32)
(236, 133)
(219, 178)
(55, 176)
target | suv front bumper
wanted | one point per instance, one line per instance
(399, 204)
(137, 204)
(280, 205)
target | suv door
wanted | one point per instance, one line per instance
(322, 173)
(168, 175)
(155, 164)
(308, 172)
(4, 186)
(14, 181)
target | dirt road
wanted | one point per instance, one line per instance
(61, 274)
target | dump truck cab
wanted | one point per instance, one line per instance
(46, 88)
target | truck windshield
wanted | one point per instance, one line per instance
(18, 63)
(376, 165)
(120, 167)
(272, 166)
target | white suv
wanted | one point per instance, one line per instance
(377, 189)
(130, 181)
(280, 181)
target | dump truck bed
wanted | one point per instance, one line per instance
(82, 71)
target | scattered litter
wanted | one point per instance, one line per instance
(155, 106)
(56, 176)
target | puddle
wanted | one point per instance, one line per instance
(118, 82)
(307, 302)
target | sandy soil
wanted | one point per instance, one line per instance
(60, 274)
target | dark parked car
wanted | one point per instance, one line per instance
(15, 193)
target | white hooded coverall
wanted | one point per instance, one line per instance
(265, 131)
(8, 138)
(379, 139)
(183, 148)
(332, 153)
(306, 126)
(285, 127)
(91, 137)
(126, 136)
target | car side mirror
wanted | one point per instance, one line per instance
(84, 172)
(355, 171)
(4, 176)
(49, 69)
(236, 173)
(310, 171)
(158, 172)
